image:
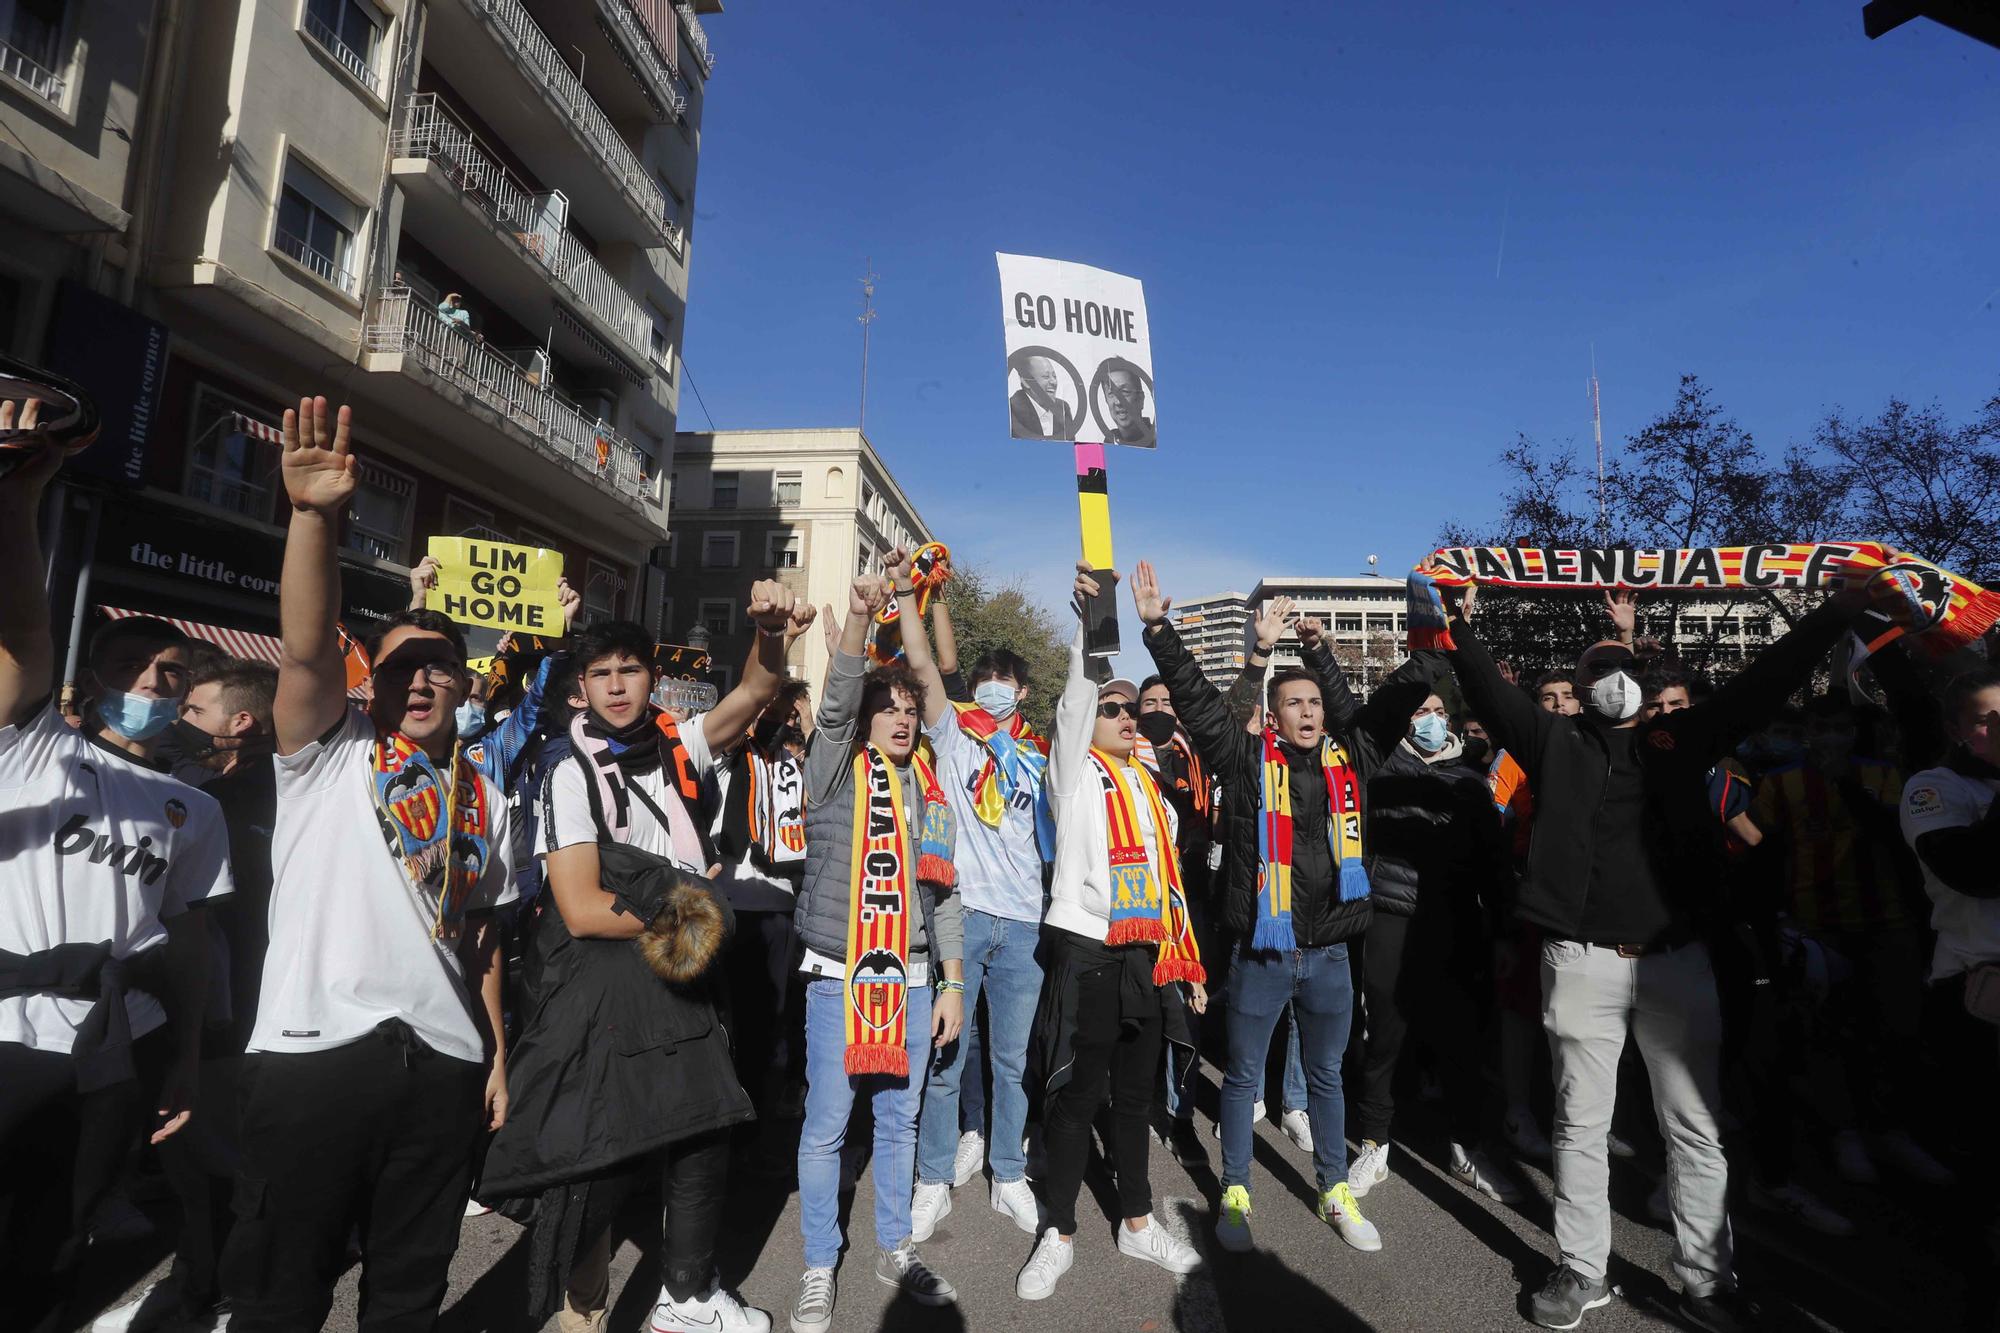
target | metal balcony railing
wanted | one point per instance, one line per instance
(697, 38)
(640, 21)
(323, 266)
(405, 325)
(41, 82)
(350, 59)
(534, 52)
(431, 131)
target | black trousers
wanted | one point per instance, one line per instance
(379, 1134)
(60, 1153)
(1412, 981)
(767, 1004)
(1117, 1055)
(201, 1163)
(694, 1180)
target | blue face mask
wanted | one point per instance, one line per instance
(997, 697)
(137, 717)
(471, 716)
(1430, 733)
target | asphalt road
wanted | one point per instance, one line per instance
(1451, 1259)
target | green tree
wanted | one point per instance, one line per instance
(985, 615)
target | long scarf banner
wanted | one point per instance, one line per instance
(1941, 611)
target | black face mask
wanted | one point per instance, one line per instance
(1158, 727)
(1477, 750)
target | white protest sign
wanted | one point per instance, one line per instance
(1079, 353)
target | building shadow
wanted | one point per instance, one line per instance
(1262, 1289)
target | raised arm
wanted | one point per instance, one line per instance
(772, 610)
(1196, 702)
(1076, 710)
(840, 701)
(917, 644)
(1386, 716)
(27, 651)
(1343, 708)
(1747, 700)
(1514, 720)
(947, 651)
(1913, 705)
(511, 737)
(319, 481)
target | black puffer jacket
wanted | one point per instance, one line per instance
(1368, 731)
(1433, 836)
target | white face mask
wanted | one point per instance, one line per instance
(1615, 697)
(997, 697)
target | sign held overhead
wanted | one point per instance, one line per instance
(497, 584)
(1079, 353)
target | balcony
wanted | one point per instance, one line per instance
(406, 337)
(349, 59)
(636, 36)
(445, 171)
(697, 39)
(43, 83)
(539, 107)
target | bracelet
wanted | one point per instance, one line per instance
(906, 592)
(950, 987)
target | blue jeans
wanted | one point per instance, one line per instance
(1320, 989)
(1000, 960)
(830, 1093)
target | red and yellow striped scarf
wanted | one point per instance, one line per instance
(879, 905)
(1148, 904)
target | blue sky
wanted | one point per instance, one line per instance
(1376, 242)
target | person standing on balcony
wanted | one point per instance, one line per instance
(453, 312)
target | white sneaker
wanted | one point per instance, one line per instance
(1478, 1174)
(1908, 1156)
(1619, 1147)
(1052, 1257)
(1369, 1168)
(156, 1306)
(1256, 1114)
(1338, 1210)
(1152, 1244)
(474, 1208)
(1016, 1199)
(928, 1206)
(1298, 1128)
(1232, 1220)
(904, 1269)
(1803, 1207)
(970, 1157)
(1525, 1137)
(812, 1312)
(1851, 1160)
(715, 1311)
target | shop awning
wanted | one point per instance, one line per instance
(236, 642)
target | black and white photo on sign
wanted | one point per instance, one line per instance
(1079, 353)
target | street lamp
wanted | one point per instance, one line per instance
(699, 638)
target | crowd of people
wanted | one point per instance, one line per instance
(353, 967)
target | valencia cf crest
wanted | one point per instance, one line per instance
(176, 813)
(413, 796)
(1911, 596)
(878, 989)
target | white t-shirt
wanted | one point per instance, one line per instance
(567, 821)
(999, 870)
(94, 846)
(1968, 928)
(746, 870)
(351, 943)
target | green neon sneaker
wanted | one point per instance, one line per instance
(1338, 1209)
(1232, 1221)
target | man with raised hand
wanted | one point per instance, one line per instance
(991, 765)
(103, 968)
(377, 1059)
(1625, 856)
(1298, 887)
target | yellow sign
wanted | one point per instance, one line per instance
(497, 584)
(479, 666)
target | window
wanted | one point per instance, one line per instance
(717, 616)
(781, 549)
(718, 550)
(227, 467)
(31, 45)
(349, 31)
(676, 211)
(867, 499)
(723, 494)
(378, 518)
(462, 518)
(674, 549)
(1347, 623)
(600, 591)
(663, 608)
(662, 340)
(836, 484)
(1377, 624)
(316, 226)
(789, 488)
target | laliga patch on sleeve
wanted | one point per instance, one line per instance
(1923, 802)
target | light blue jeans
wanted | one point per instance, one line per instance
(830, 1093)
(999, 960)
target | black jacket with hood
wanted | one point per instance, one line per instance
(1433, 837)
(1367, 731)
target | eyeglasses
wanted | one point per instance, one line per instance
(1117, 708)
(437, 671)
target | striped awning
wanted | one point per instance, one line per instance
(257, 430)
(236, 642)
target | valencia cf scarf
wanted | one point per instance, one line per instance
(1148, 904)
(879, 904)
(1016, 760)
(1274, 839)
(439, 834)
(930, 570)
(1940, 611)
(777, 806)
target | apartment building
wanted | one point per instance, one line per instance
(233, 202)
(1214, 629)
(811, 508)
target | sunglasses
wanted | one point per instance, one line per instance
(1118, 708)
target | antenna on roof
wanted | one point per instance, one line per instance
(867, 318)
(1597, 429)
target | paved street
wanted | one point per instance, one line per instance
(1451, 1260)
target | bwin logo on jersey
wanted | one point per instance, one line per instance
(74, 838)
